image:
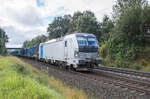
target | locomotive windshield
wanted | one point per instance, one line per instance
(87, 44)
(92, 41)
(82, 41)
(86, 41)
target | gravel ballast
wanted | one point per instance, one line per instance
(94, 88)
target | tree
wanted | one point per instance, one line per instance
(122, 6)
(106, 27)
(59, 27)
(3, 40)
(128, 33)
(131, 22)
(85, 22)
(35, 41)
(26, 43)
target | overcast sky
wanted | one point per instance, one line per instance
(25, 19)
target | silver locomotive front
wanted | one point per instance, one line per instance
(88, 49)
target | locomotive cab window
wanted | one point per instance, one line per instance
(82, 41)
(92, 41)
(65, 43)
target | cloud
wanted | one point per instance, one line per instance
(17, 37)
(21, 14)
(28, 18)
(25, 19)
(99, 7)
(22, 20)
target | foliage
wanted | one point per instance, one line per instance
(119, 50)
(122, 38)
(122, 6)
(106, 27)
(133, 16)
(136, 66)
(103, 50)
(144, 62)
(85, 22)
(3, 40)
(128, 34)
(35, 41)
(59, 27)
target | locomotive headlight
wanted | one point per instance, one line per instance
(76, 53)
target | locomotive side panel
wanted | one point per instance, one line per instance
(54, 50)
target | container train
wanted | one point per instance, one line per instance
(78, 51)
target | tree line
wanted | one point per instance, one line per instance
(3, 40)
(131, 24)
(121, 36)
(35, 41)
(85, 22)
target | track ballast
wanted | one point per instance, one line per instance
(137, 86)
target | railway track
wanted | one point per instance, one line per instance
(114, 79)
(124, 81)
(126, 71)
(111, 78)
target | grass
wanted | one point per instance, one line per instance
(19, 80)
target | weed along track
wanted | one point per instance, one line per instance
(101, 85)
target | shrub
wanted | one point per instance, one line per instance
(144, 62)
(122, 63)
(103, 50)
(136, 66)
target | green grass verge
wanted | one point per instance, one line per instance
(17, 83)
(19, 80)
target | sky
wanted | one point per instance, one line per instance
(25, 19)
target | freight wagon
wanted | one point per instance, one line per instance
(31, 52)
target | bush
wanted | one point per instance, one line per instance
(117, 49)
(144, 62)
(122, 63)
(136, 66)
(103, 51)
